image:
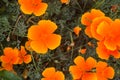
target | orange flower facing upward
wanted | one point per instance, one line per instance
(52, 74)
(9, 58)
(77, 30)
(103, 71)
(105, 53)
(83, 69)
(23, 56)
(65, 1)
(42, 36)
(88, 17)
(37, 7)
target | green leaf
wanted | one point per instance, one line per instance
(7, 75)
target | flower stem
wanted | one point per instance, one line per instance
(33, 61)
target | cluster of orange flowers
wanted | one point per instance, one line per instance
(14, 56)
(105, 30)
(90, 69)
(42, 37)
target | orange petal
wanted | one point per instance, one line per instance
(40, 9)
(34, 32)
(102, 51)
(20, 61)
(59, 75)
(27, 45)
(11, 55)
(22, 51)
(102, 28)
(27, 8)
(89, 76)
(46, 79)
(88, 31)
(109, 72)
(77, 30)
(116, 54)
(90, 63)
(76, 72)
(53, 41)
(109, 44)
(27, 59)
(39, 47)
(5, 59)
(95, 24)
(82, 51)
(103, 71)
(78, 61)
(7, 51)
(88, 17)
(65, 1)
(47, 26)
(48, 72)
(7, 66)
(96, 13)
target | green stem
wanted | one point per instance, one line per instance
(71, 38)
(33, 61)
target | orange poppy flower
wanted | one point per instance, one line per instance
(98, 22)
(52, 74)
(77, 30)
(112, 35)
(9, 58)
(42, 36)
(23, 56)
(37, 7)
(83, 69)
(105, 53)
(103, 71)
(65, 1)
(87, 19)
